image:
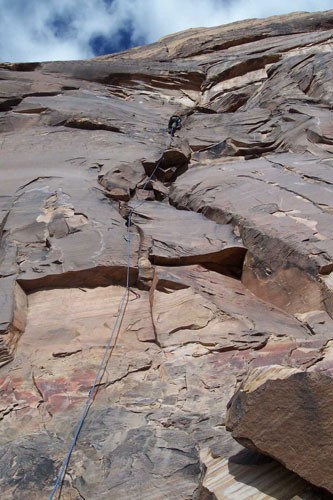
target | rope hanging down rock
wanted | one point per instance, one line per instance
(119, 317)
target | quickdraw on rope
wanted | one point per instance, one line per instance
(172, 127)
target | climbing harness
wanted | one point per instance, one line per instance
(175, 123)
(119, 317)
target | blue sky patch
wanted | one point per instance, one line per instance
(62, 26)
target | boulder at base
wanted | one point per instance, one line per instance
(287, 413)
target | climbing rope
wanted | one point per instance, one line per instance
(106, 356)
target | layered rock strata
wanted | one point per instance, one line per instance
(230, 265)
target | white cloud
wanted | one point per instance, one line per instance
(157, 18)
(35, 30)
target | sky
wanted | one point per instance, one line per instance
(48, 30)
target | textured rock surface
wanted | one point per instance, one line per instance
(288, 398)
(231, 263)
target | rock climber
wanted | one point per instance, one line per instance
(175, 123)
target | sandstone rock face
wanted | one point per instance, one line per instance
(230, 266)
(286, 413)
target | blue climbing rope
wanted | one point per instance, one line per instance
(119, 316)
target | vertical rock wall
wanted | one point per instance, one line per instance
(230, 263)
